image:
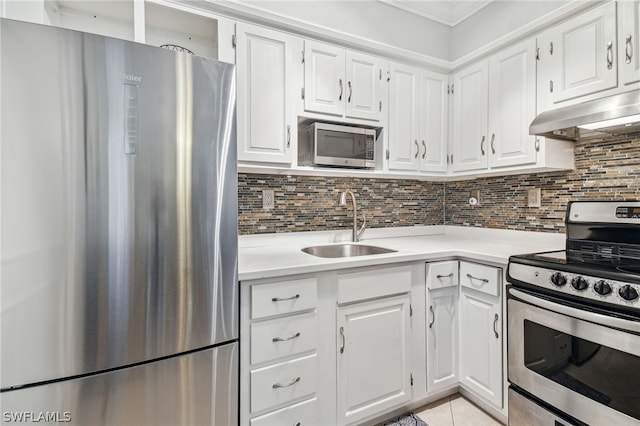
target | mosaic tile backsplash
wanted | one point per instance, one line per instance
(604, 170)
(305, 203)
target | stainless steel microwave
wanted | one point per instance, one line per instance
(324, 144)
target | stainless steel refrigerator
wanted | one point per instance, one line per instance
(119, 295)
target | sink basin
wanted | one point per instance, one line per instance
(345, 250)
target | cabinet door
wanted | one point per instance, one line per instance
(442, 338)
(481, 345)
(629, 42)
(470, 105)
(512, 103)
(364, 82)
(372, 337)
(324, 80)
(404, 147)
(434, 113)
(265, 71)
(584, 53)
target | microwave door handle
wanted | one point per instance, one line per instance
(593, 317)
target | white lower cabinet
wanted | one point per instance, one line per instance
(279, 356)
(481, 331)
(442, 325)
(373, 358)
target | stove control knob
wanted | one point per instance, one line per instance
(579, 283)
(558, 279)
(628, 293)
(602, 288)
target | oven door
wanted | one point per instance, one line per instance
(582, 363)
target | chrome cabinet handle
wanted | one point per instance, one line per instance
(284, 339)
(417, 148)
(609, 55)
(342, 334)
(495, 321)
(289, 136)
(291, 383)
(281, 299)
(482, 145)
(433, 316)
(350, 91)
(424, 154)
(340, 95)
(493, 139)
(445, 276)
(628, 50)
(550, 86)
(297, 424)
(483, 280)
(551, 48)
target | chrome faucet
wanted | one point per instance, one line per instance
(355, 233)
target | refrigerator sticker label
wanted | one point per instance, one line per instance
(131, 119)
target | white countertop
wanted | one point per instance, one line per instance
(275, 255)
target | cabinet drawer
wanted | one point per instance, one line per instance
(373, 283)
(283, 336)
(482, 278)
(442, 274)
(304, 414)
(283, 297)
(281, 383)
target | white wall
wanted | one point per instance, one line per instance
(497, 20)
(368, 19)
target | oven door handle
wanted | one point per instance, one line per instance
(593, 317)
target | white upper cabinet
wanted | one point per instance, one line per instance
(629, 42)
(324, 78)
(341, 82)
(582, 55)
(512, 102)
(404, 126)
(363, 76)
(434, 121)
(267, 126)
(418, 120)
(470, 118)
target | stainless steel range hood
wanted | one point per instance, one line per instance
(617, 115)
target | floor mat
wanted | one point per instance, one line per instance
(409, 419)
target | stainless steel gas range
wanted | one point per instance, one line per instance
(574, 323)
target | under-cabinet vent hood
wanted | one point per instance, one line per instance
(617, 115)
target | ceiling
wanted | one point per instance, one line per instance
(448, 12)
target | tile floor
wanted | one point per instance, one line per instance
(455, 410)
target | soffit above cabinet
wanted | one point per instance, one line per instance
(446, 12)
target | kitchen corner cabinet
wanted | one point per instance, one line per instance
(341, 82)
(481, 331)
(418, 120)
(266, 72)
(629, 41)
(442, 325)
(578, 57)
(493, 104)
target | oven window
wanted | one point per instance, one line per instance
(606, 375)
(341, 145)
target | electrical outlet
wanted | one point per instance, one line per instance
(267, 199)
(533, 197)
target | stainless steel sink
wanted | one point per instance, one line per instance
(345, 250)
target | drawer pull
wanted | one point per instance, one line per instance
(433, 316)
(284, 339)
(483, 280)
(291, 383)
(281, 299)
(445, 276)
(297, 424)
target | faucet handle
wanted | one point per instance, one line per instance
(362, 228)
